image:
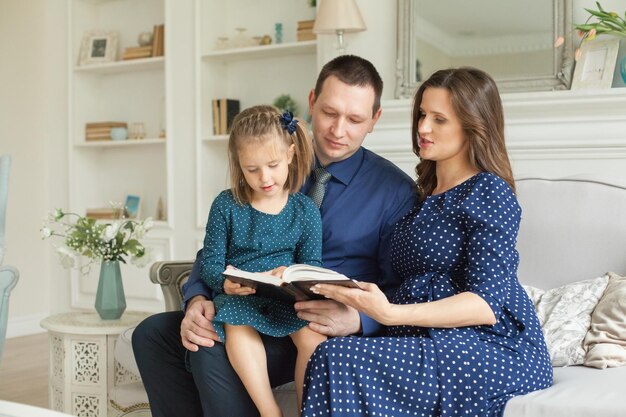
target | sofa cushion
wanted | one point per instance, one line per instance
(578, 391)
(565, 316)
(606, 339)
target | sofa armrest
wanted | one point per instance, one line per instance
(171, 275)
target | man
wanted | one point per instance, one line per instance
(365, 196)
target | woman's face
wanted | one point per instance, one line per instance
(441, 137)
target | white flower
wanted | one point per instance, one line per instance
(144, 260)
(140, 231)
(148, 223)
(111, 231)
(142, 228)
(67, 257)
(45, 232)
(57, 214)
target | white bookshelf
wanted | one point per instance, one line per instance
(252, 74)
(131, 91)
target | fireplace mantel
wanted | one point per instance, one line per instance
(587, 125)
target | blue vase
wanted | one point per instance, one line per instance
(622, 68)
(110, 298)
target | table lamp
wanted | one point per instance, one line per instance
(339, 17)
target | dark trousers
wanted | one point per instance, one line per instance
(212, 388)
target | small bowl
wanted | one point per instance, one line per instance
(119, 133)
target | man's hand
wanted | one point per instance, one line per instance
(329, 317)
(196, 328)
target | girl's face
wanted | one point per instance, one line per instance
(440, 132)
(265, 166)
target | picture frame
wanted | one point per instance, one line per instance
(132, 205)
(98, 47)
(596, 65)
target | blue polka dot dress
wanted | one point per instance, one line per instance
(249, 239)
(457, 241)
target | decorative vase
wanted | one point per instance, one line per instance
(110, 299)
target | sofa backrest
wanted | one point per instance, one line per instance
(571, 230)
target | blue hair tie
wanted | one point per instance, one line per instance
(288, 122)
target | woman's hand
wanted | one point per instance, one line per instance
(369, 299)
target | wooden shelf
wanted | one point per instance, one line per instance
(262, 52)
(116, 67)
(215, 138)
(121, 143)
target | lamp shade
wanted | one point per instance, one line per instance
(338, 15)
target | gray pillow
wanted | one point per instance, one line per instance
(565, 316)
(606, 339)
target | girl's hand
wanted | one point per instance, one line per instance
(369, 299)
(278, 272)
(232, 288)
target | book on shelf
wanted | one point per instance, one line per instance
(305, 35)
(90, 137)
(105, 124)
(103, 213)
(306, 24)
(100, 130)
(216, 117)
(228, 110)
(224, 111)
(158, 38)
(135, 52)
(295, 284)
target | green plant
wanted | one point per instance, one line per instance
(285, 102)
(84, 236)
(609, 23)
(312, 3)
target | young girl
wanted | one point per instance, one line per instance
(258, 225)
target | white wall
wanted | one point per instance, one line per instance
(33, 126)
(32, 123)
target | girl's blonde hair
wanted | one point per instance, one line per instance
(476, 102)
(261, 123)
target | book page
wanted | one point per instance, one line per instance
(237, 275)
(302, 272)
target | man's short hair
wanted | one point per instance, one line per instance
(352, 70)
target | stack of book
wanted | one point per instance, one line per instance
(103, 213)
(224, 111)
(305, 31)
(157, 48)
(135, 52)
(101, 130)
(158, 38)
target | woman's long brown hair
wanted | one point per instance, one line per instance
(476, 102)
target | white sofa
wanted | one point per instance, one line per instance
(572, 230)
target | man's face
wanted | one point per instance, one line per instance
(341, 118)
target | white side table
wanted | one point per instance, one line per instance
(82, 365)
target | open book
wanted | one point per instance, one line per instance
(293, 286)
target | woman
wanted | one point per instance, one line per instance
(463, 336)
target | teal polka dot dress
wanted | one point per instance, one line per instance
(249, 239)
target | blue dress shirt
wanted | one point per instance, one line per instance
(364, 199)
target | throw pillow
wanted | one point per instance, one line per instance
(565, 316)
(606, 339)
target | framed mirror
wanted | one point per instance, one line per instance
(512, 40)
